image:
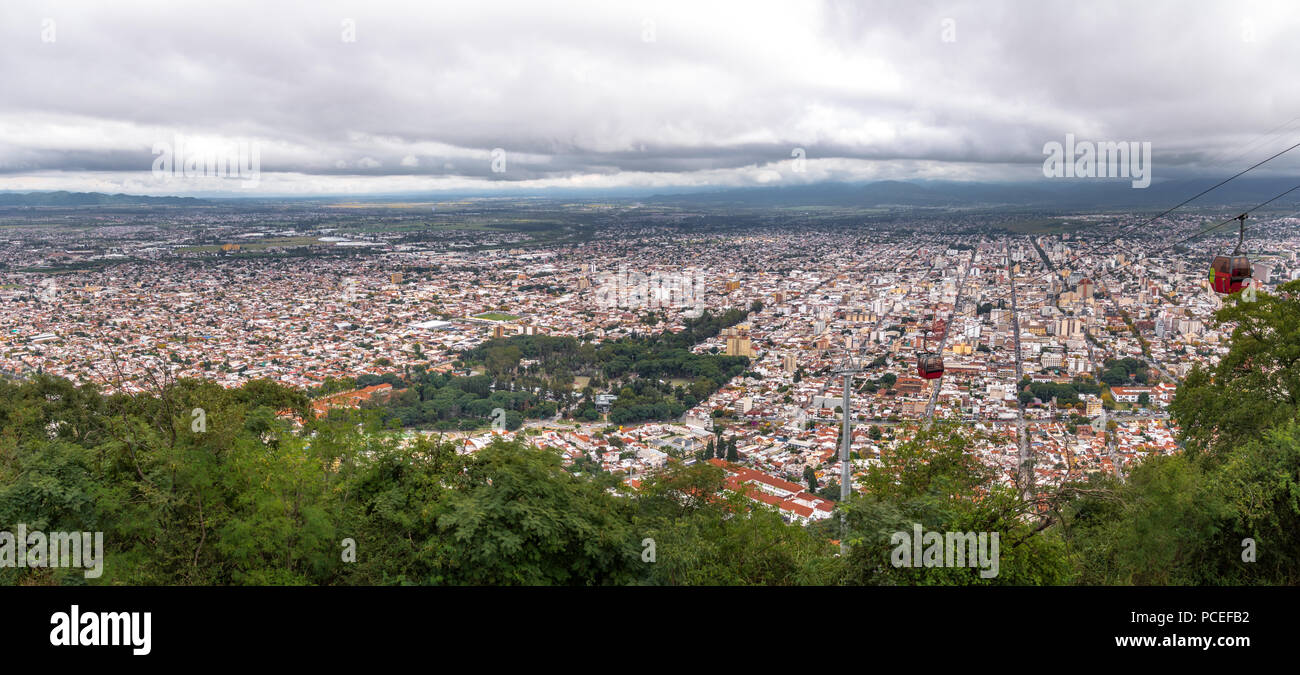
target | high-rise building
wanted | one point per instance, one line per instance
(1068, 327)
(739, 346)
(737, 339)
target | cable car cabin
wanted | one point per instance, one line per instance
(1229, 273)
(929, 365)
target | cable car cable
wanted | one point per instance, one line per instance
(1221, 183)
(1203, 232)
(1204, 192)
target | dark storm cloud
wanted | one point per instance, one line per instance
(603, 94)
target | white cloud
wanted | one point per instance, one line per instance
(577, 98)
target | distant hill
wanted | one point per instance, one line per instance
(1046, 194)
(1075, 194)
(63, 198)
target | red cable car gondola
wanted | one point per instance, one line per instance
(929, 365)
(1228, 274)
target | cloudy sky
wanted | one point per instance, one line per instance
(385, 96)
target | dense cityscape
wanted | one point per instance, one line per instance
(1106, 328)
(513, 328)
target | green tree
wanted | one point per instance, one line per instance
(518, 518)
(810, 477)
(1255, 387)
(1190, 518)
(707, 535)
(934, 480)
